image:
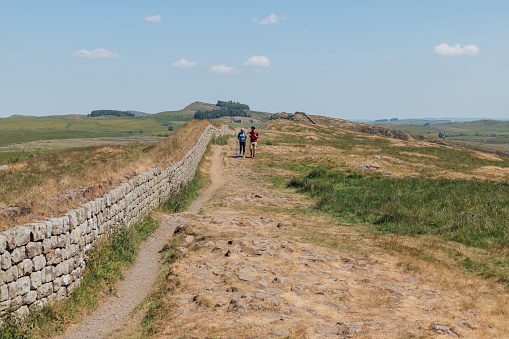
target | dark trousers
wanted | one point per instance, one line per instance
(242, 146)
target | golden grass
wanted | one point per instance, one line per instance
(98, 169)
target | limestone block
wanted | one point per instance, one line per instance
(3, 244)
(22, 235)
(18, 255)
(62, 292)
(48, 274)
(37, 305)
(22, 312)
(6, 261)
(73, 219)
(19, 287)
(33, 249)
(35, 280)
(62, 240)
(54, 257)
(30, 298)
(5, 305)
(17, 302)
(46, 245)
(25, 267)
(57, 283)
(9, 238)
(107, 199)
(39, 262)
(2, 277)
(57, 226)
(54, 242)
(44, 290)
(38, 231)
(88, 210)
(81, 215)
(11, 274)
(4, 292)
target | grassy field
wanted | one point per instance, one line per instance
(33, 180)
(482, 132)
(392, 187)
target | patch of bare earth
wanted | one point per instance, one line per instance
(259, 263)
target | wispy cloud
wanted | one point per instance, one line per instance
(223, 69)
(306, 31)
(258, 61)
(445, 49)
(95, 53)
(271, 19)
(183, 63)
(154, 18)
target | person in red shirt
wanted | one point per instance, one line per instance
(253, 138)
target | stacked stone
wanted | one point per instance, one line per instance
(44, 261)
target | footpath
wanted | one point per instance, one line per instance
(257, 265)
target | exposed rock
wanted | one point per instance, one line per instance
(444, 329)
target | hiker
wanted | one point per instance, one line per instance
(241, 139)
(253, 138)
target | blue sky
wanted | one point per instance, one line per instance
(345, 59)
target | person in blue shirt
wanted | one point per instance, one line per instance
(242, 142)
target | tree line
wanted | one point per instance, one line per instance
(101, 112)
(225, 109)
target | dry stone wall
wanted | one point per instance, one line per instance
(45, 260)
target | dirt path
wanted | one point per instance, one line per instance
(114, 312)
(256, 266)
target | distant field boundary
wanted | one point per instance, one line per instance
(45, 260)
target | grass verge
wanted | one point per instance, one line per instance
(107, 264)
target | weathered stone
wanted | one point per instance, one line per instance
(3, 244)
(4, 292)
(250, 250)
(45, 290)
(30, 297)
(281, 332)
(25, 267)
(4, 305)
(19, 287)
(18, 255)
(22, 312)
(281, 280)
(62, 292)
(39, 262)
(48, 274)
(46, 246)
(246, 277)
(444, 329)
(54, 257)
(35, 279)
(57, 283)
(57, 226)
(11, 274)
(66, 280)
(22, 236)
(6, 261)
(33, 249)
(238, 305)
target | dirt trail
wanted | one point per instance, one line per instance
(256, 267)
(114, 312)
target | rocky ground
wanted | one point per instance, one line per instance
(252, 268)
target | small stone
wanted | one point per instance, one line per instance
(263, 283)
(245, 277)
(281, 332)
(298, 290)
(281, 280)
(237, 305)
(189, 239)
(232, 289)
(443, 329)
(183, 298)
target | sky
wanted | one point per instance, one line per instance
(346, 59)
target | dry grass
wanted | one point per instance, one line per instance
(50, 185)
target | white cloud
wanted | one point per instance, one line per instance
(306, 31)
(223, 69)
(183, 63)
(258, 61)
(445, 49)
(271, 19)
(95, 53)
(154, 18)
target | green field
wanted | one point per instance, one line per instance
(481, 132)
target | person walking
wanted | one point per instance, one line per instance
(253, 138)
(241, 139)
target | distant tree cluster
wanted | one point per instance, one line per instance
(225, 109)
(221, 112)
(232, 105)
(116, 113)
